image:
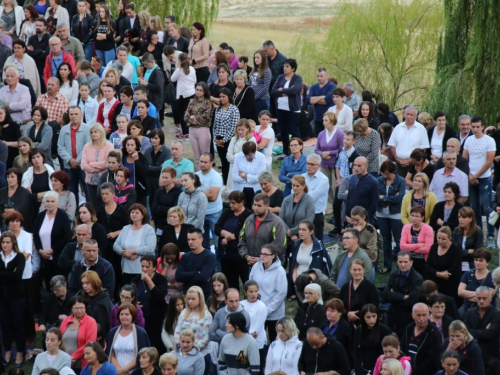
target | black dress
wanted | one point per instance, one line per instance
(245, 101)
(164, 201)
(354, 300)
(21, 202)
(367, 349)
(169, 236)
(438, 213)
(451, 261)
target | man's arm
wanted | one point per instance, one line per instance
(490, 155)
(24, 100)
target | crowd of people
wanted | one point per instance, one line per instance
(126, 257)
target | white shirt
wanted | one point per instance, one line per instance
(46, 233)
(25, 243)
(124, 348)
(283, 100)
(344, 118)
(253, 169)
(478, 149)
(70, 92)
(318, 186)
(128, 70)
(406, 140)
(268, 150)
(437, 143)
(258, 315)
(185, 82)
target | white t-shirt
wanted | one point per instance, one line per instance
(477, 149)
(124, 348)
(209, 180)
(258, 315)
(283, 100)
(406, 140)
(437, 143)
(268, 150)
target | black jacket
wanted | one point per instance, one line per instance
(155, 162)
(117, 111)
(366, 350)
(70, 6)
(330, 357)
(156, 82)
(59, 237)
(87, 27)
(67, 258)
(410, 286)
(163, 202)
(309, 316)
(428, 356)
(40, 50)
(153, 301)
(52, 308)
(471, 359)
(231, 250)
(366, 293)
(99, 307)
(438, 213)
(103, 268)
(473, 242)
(449, 133)
(169, 236)
(118, 219)
(245, 102)
(343, 334)
(182, 43)
(486, 337)
(11, 277)
(149, 123)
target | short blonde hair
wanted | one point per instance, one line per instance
(360, 126)
(241, 72)
(187, 333)
(426, 119)
(100, 129)
(115, 72)
(331, 116)
(179, 211)
(169, 359)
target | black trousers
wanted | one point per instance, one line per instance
(202, 74)
(235, 270)
(222, 151)
(319, 225)
(182, 104)
(271, 330)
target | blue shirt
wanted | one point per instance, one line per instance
(318, 185)
(148, 72)
(134, 60)
(212, 179)
(343, 271)
(55, 63)
(130, 166)
(317, 90)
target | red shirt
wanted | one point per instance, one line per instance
(257, 224)
(74, 154)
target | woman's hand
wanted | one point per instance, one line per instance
(41, 328)
(135, 155)
(440, 222)
(220, 143)
(352, 317)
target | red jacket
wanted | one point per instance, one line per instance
(86, 333)
(67, 57)
(100, 116)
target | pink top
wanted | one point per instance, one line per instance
(90, 165)
(426, 236)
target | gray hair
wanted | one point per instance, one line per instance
(177, 143)
(484, 289)
(52, 194)
(265, 175)
(314, 157)
(449, 152)
(62, 25)
(242, 73)
(321, 70)
(457, 142)
(90, 241)
(56, 80)
(411, 108)
(463, 117)
(58, 281)
(89, 228)
(316, 288)
(349, 86)
(12, 69)
(108, 186)
(268, 44)
(118, 66)
(55, 38)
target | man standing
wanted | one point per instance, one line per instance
(321, 354)
(16, 97)
(340, 269)
(406, 137)
(133, 25)
(37, 47)
(402, 292)
(352, 100)
(483, 322)
(218, 327)
(211, 184)
(72, 252)
(232, 59)
(276, 61)
(72, 138)
(263, 227)
(70, 44)
(178, 161)
(55, 58)
(55, 103)
(480, 150)
(318, 190)
(464, 130)
(154, 80)
(453, 144)
(320, 97)
(91, 262)
(422, 342)
(450, 173)
(197, 266)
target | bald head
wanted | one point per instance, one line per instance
(360, 166)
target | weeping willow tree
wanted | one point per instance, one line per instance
(385, 46)
(185, 11)
(468, 61)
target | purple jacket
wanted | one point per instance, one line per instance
(116, 322)
(334, 147)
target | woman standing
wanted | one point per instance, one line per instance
(97, 360)
(336, 326)
(93, 162)
(286, 93)
(368, 144)
(81, 28)
(25, 64)
(67, 200)
(58, 358)
(156, 156)
(191, 361)
(135, 127)
(12, 298)
(357, 293)
(55, 15)
(154, 46)
(443, 265)
(99, 303)
(135, 240)
(192, 200)
(103, 34)
(439, 135)
(199, 52)
(227, 229)
(138, 166)
(40, 132)
(243, 134)
(52, 231)
(225, 119)
(185, 76)
(419, 195)
(275, 195)
(468, 237)
(10, 133)
(467, 347)
(311, 312)
(176, 230)
(167, 266)
(330, 142)
(367, 111)
(37, 178)
(69, 85)
(342, 111)
(107, 106)
(446, 213)
(260, 79)
(176, 39)
(22, 161)
(244, 95)
(12, 15)
(166, 197)
(28, 27)
(293, 164)
(198, 117)
(125, 107)
(15, 197)
(87, 215)
(223, 80)
(271, 278)
(284, 353)
(419, 164)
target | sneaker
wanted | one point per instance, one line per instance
(491, 242)
(174, 130)
(185, 137)
(180, 137)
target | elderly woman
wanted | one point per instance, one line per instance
(37, 178)
(135, 240)
(25, 64)
(418, 195)
(93, 162)
(244, 95)
(330, 142)
(67, 200)
(55, 305)
(286, 94)
(419, 164)
(311, 312)
(97, 360)
(40, 132)
(243, 134)
(341, 110)
(275, 194)
(52, 231)
(14, 197)
(439, 135)
(293, 164)
(368, 144)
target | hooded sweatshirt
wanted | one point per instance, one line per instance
(192, 363)
(194, 205)
(218, 327)
(284, 356)
(405, 362)
(273, 287)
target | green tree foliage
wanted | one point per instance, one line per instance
(467, 66)
(385, 46)
(185, 11)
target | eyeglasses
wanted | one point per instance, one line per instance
(125, 298)
(347, 238)
(265, 255)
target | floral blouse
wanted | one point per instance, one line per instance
(200, 111)
(200, 327)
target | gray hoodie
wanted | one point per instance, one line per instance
(218, 327)
(192, 363)
(194, 206)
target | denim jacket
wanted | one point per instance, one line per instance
(393, 199)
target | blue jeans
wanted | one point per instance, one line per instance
(106, 56)
(261, 105)
(77, 176)
(480, 197)
(88, 50)
(389, 228)
(209, 226)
